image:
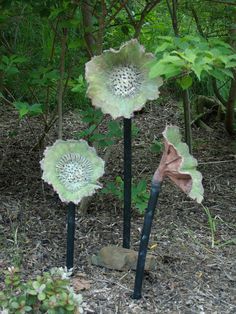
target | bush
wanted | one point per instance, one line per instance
(50, 293)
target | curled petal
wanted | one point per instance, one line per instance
(179, 165)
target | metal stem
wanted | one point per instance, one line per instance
(70, 235)
(147, 225)
(127, 182)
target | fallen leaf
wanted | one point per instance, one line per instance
(153, 246)
(80, 283)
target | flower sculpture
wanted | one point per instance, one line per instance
(179, 165)
(118, 80)
(72, 168)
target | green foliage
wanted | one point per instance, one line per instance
(113, 134)
(79, 85)
(50, 293)
(182, 57)
(212, 225)
(9, 65)
(94, 118)
(25, 109)
(44, 76)
(140, 195)
(157, 146)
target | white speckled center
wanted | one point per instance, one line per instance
(125, 81)
(74, 171)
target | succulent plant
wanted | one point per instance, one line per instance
(118, 80)
(72, 168)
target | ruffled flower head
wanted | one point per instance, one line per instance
(72, 168)
(118, 80)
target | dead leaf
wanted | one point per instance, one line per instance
(80, 283)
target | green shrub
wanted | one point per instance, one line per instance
(50, 293)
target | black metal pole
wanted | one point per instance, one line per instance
(127, 182)
(147, 225)
(70, 235)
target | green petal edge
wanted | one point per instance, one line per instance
(48, 164)
(188, 164)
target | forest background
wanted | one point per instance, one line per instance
(45, 45)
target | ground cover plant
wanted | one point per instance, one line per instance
(45, 46)
(50, 293)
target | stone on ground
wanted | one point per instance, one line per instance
(119, 258)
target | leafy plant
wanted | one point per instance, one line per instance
(50, 293)
(212, 224)
(139, 193)
(157, 146)
(94, 117)
(25, 109)
(181, 58)
(9, 64)
(186, 55)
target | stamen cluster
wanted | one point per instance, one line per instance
(73, 171)
(125, 81)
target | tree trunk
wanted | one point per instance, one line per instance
(101, 30)
(174, 18)
(197, 21)
(173, 14)
(86, 9)
(230, 104)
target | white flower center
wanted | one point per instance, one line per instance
(74, 171)
(125, 81)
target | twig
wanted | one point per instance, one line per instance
(114, 283)
(222, 2)
(122, 5)
(216, 162)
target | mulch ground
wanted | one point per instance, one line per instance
(191, 276)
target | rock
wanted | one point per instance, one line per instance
(118, 258)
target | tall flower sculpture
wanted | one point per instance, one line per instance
(118, 80)
(72, 168)
(180, 166)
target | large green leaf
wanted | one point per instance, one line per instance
(185, 82)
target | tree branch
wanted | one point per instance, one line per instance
(217, 93)
(122, 5)
(147, 9)
(132, 20)
(222, 2)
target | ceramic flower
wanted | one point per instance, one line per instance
(118, 80)
(179, 165)
(72, 168)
